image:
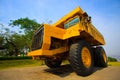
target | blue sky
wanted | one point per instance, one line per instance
(105, 15)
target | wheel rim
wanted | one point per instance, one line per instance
(104, 57)
(86, 57)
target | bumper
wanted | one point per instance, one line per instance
(35, 53)
(41, 52)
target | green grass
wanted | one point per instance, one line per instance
(114, 64)
(4, 64)
(65, 62)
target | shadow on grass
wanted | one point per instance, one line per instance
(66, 70)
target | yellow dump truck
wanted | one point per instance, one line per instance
(74, 38)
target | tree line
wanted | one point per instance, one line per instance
(14, 43)
(111, 59)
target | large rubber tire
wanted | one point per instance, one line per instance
(53, 63)
(81, 58)
(100, 57)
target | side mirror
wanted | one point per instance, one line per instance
(89, 19)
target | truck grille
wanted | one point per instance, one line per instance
(38, 39)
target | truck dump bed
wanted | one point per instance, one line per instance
(88, 28)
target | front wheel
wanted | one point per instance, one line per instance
(81, 58)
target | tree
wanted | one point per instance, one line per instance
(1, 42)
(111, 59)
(1, 37)
(11, 44)
(26, 24)
(29, 26)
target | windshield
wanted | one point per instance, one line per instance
(71, 23)
(38, 39)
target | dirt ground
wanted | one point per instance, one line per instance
(63, 73)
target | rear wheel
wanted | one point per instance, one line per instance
(81, 58)
(100, 57)
(53, 63)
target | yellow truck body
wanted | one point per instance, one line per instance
(74, 38)
(79, 29)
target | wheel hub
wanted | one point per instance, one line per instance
(86, 57)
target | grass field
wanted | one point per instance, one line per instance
(114, 63)
(19, 63)
(4, 64)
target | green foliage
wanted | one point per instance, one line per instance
(16, 44)
(26, 24)
(11, 42)
(111, 59)
(1, 42)
(15, 57)
(29, 26)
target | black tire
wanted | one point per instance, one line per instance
(77, 61)
(53, 63)
(100, 57)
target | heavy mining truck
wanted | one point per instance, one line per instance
(74, 38)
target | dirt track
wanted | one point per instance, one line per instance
(62, 73)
